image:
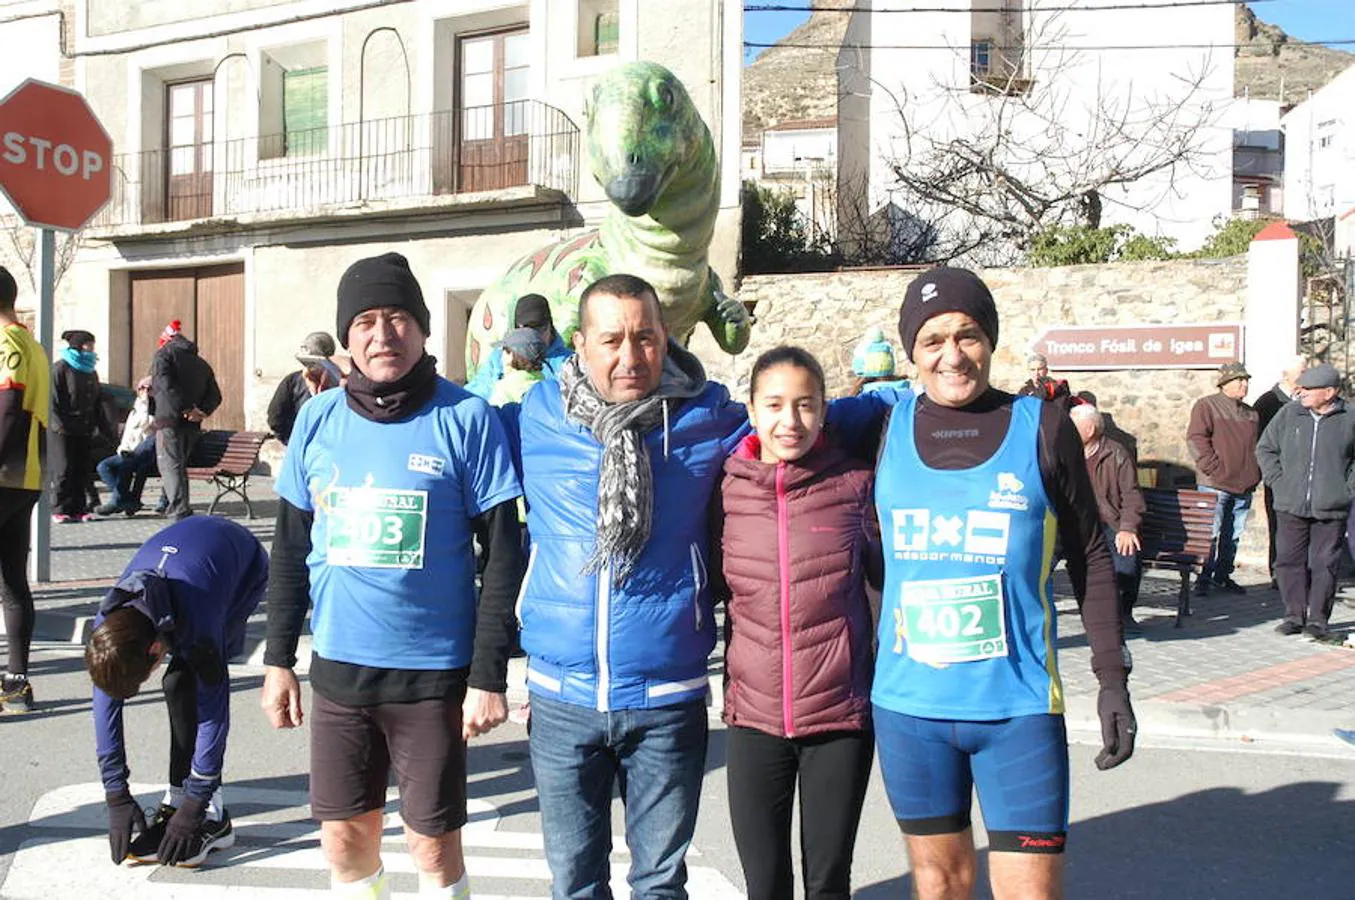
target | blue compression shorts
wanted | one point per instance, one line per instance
(1019, 766)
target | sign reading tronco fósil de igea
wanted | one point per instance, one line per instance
(1088, 348)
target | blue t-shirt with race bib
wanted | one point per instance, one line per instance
(967, 622)
(392, 576)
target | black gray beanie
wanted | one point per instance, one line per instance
(375, 282)
(942, 290)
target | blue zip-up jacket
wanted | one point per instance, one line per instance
(198, 580)
(644, 644)
(482, 385)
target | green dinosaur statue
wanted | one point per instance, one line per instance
(654, 157)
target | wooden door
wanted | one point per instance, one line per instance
(221, 339)
(210, 302)
(495, 106)
(188, 139)
(158, 298)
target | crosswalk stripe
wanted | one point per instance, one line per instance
(53, 863)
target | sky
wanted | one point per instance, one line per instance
(1309, 20)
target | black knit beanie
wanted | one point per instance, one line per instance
(942, 290)
(375, 282)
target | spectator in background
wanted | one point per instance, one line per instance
(184, 392)
(1055, 390)
(124, 472)
(1266, 406)
(1120, 502)
(1222, 437)
(531, 311)
(525, 355)
(317, 373)
(1308, 456)
(25, 383)
(873, 364)
(77, 416)
(1110, 428)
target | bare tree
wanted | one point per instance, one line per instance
(20, 244)
(1019, 147)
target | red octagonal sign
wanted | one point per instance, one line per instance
(56, 160)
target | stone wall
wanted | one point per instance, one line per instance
(827, 313)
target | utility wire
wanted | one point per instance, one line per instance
(1026, 47)
(778, 7)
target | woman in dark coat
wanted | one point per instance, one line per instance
(76, 418)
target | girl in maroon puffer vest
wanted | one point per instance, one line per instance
(799, 535)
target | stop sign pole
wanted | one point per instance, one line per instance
(56, 168)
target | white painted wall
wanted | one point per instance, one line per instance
(930, 85)
(29, 48)
(1319, 164)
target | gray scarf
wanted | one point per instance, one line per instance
(626, 482)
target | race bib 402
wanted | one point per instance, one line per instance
(952, 620)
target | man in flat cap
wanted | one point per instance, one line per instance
(1307, 455)
(1222, 436)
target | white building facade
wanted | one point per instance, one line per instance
(1057, 90)
(263, 145)
(1319, 168)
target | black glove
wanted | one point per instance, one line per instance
(1117, 726)
(123, 816)
(182, 828)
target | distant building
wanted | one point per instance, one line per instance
(799, 157)
(1258, 157)
(1319, 165)
(933, 78)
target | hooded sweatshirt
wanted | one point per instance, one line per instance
(198, 581)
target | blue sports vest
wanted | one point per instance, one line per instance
(392, 578)
(967, 625)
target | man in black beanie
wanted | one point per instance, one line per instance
(969, 482)
(531, 311)
(390, 477)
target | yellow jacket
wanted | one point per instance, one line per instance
(25, 399)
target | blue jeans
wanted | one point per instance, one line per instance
(1230, 518)
(125, 475)
(656, 756)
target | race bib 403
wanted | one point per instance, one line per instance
(375, 527)
(953, 620)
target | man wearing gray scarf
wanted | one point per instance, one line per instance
(620, 458)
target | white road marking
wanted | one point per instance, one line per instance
(57, 861)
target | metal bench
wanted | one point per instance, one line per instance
(1176, 534)
(225, 458)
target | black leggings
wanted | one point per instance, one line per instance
(833, 771)
(71, 466)
(180, 685)
(16, 507)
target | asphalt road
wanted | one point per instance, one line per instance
(1190, 821)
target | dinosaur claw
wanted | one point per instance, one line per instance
(730, 323)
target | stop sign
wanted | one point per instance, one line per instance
(56, 160)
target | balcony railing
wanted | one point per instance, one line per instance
(396, 159)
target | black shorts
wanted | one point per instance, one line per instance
(354, 749)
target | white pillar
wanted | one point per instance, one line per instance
(1272, 310)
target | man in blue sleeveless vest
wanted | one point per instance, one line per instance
(972, 485)
(384, 483)
(189, 591)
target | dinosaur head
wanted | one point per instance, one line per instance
(642, 127)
